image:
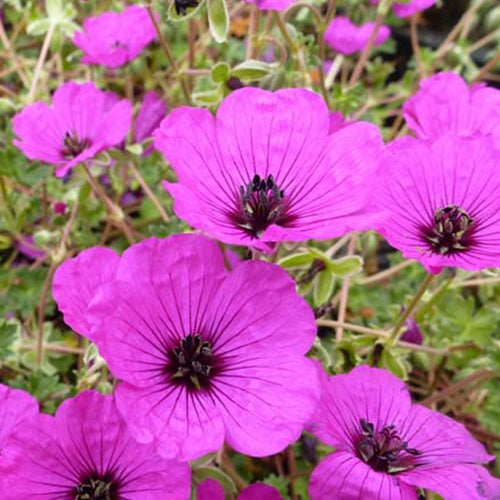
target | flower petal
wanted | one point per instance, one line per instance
(345, 477)
(77, 281)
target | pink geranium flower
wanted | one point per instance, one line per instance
(115, 38)
(442, 201)
(85, 451)
(386, 446)
(444, 102)
(409, 8)
(152, 111)
(345, 37)
(267, 170)
(81, 122)
(202, 351)
(15, 406)
(212, 490)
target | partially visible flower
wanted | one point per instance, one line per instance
(202, 351)
(26, 246)
(86, 452)
(337, 122)
(152, 111)
(59, 207)
(88, 271)
(81, 122)
(212, 490)
(444, 102)
(345, 37)
(442, 201)
(267, 170)
(115, 38)
(271, 4)
(15, 406)
(412, 332)
(386, 446)
(409, 8)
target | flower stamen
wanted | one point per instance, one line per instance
(383, 450)
(191, 361)
(260, 205)
(451, 230)
(94, 489)
(73, 146)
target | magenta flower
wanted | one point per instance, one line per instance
(337, 122)
(442, 201)
(345, 37)
(267, 170)
(81, 122)
(212, 490)
(409, 8)
(15, 406)
(271, 4)
(86, 452)
(202, 351)
(115, 38)
(386, 447)
(445, 103)
(151, 113)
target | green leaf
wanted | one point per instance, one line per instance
(39, 27)
(68, 28)
(218, 19)
(173, 16)
(135, 149)
(208, 97)
(323, 287)
(393, 363)
(54, 8)
(205, 472)
(296, 260)
(7, 337)
(252, 70)
(220, 72)
(345, 265)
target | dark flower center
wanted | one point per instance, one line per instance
(260, 205)
(181, 6)
(451, 230)
(73, 146)
(95, 489)
(191, 362)
(383, 451)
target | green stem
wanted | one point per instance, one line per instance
(411, 308)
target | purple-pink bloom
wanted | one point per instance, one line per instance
(337, 122)
(115, 38)
(202, 351)
(347, 38)
(444, 102)
(412, 332)
(212, 490)
(86, 451)
(271, 4)
(442, 201)
(386, 446)
(15, 406)
(267, 170)
(81, 122)
(409, 8)
(152, 111)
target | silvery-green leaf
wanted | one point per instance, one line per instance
(218, 19)
(252, 70)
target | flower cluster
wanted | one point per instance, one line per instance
(211, 351)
